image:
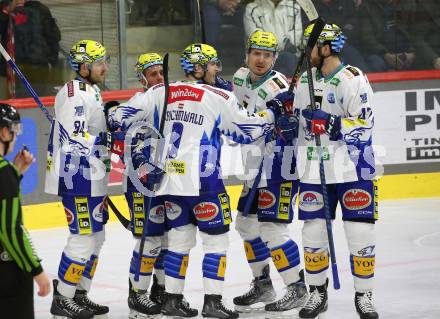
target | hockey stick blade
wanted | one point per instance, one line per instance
(308, 8)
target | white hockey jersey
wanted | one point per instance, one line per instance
(346, 93)
(196, 116)
(253, 97)
(75, 165)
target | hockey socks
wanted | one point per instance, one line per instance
(286, 259)
(175, 265)
(214, 266)
(145, 271)
(256, 254)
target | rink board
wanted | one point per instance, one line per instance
(49, 215)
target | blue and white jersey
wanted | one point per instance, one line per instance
(346, 93)
(253, 97)
(196, 117)
(75, 165)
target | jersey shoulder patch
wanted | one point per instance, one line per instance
(353, 70)
(278, 82)
(82, 86)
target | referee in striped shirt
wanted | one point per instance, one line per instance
(19, 263)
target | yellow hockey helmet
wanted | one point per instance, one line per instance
(331, 34)
(198, 53)
(262, 40)
(145, 61)
(87, 52)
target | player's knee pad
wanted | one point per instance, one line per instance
(214, 266)
(176, 264)
(256, 250)
(70, 271)
(285, 256)
(214, 243)
(361, 243)
(80, 247)
(181, 239)
(247, 226)
(274, 234)
(315, 242)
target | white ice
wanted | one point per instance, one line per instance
(407, 266)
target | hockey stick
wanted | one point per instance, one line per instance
(125, 222)
(155, 162)
(311, 13)
(318, 27)
(310, 10)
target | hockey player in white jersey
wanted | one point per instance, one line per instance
(196, 116)
(265, 229)
(77, 171)
(149, 70)
(201, 62)
(344, 120)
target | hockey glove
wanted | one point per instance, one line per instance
(223, 84)
(114, 141)
(281, 104)
(148, 173)
(287, 127)
(320, 122)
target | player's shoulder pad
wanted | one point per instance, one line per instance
(240, 76)
(223, 93)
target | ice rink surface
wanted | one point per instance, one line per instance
(407, 266)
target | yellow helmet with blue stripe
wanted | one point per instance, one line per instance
(145, 61)
(87, 52)
(331, 34)
(198, 53)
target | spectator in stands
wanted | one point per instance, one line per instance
(385, 41)
(223, 29)
(283, 18)
(423, 27)
(344, 13)
(36, 37)
(216, 13)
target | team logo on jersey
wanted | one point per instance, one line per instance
(184, 93)
(266, 199)
(69, 215)
(331, 98)
(355, 199)
(335, 81)
(358, 135)
(157, 214)
(205, 211)
(364, 98)
(172, 210)
(310, 201)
